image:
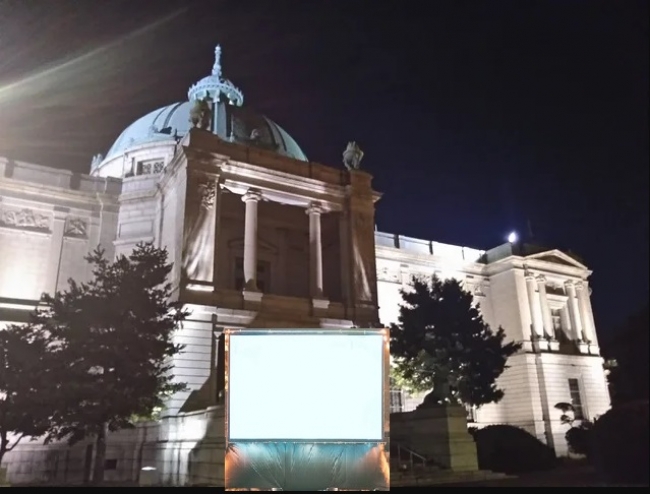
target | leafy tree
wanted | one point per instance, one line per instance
(441, 343)
(27, 385)
(114, 334)
(579, 436)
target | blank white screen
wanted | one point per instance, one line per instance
(306, 387)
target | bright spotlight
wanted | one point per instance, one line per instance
(512, 238)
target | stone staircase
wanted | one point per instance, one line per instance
(409, 469)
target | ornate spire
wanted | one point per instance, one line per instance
(216, 68)
(215, 86)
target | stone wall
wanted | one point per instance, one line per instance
(184, 450)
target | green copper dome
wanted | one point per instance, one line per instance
(234, 122)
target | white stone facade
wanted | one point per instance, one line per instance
(261, 237)
(541, 298)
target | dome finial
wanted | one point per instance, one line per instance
(216, 68)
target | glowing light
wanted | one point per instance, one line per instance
(306, 387)
(512, 237)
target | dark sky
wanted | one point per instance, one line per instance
(475, 116)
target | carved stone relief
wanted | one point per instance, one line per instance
(389, 275)
(479, 289)
(207, 192)
(25, 219)
(76, 227)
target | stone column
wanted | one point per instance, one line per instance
(315, 251)
(574, 314)
(251, 198)
(588, 328)
(547, 319)
(538, 330)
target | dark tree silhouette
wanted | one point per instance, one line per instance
(441, 343)
(28, 377)
(114, 334)
(628, 359)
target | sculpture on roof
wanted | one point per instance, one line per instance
(352, 156)
(201, 114)
(97, 159)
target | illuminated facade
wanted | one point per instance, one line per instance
(262, 237)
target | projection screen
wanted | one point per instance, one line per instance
(305, 385)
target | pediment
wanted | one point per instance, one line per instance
(557, 257)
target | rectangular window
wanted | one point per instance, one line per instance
(263, 274)
(396, 398)
(148, 167)
(471, 413)
(556, 319)
(576, 399)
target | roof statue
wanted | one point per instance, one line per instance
(96, 161)
(201, 114)
(352, 156)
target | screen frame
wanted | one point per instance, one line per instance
(385, 365)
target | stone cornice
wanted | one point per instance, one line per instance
(298, 192)
(72, 198)
(538, 266)
(253, 172)
(234, 152)
(427, 260)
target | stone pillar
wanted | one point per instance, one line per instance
(538, 331)
(547, 319)
(315, 251)
(574, 314)
(56, 250)
(198, 252)
(588, 327)
(251, 198)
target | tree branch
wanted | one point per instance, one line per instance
(9, 448)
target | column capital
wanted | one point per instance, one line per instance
(314, 208)
(528, 274)
(579, 285)
(568, 283)
(252, 195)
(541, 279)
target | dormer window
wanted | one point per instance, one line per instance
(147, 167)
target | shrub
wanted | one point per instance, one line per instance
(508, 449)
(580, 438)
(620, 441)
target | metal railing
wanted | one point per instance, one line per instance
(407, 459)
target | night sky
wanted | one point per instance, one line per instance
(476, 118)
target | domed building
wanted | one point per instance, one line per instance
(262, 237)
(160, 130)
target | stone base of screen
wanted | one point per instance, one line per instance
(439, 433)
